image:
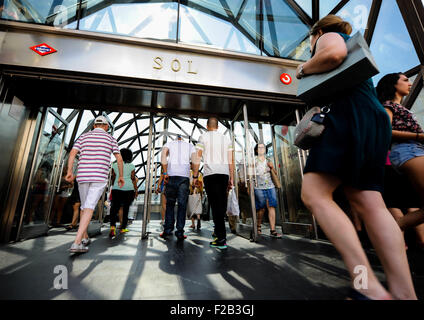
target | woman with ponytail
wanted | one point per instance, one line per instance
(351, 153)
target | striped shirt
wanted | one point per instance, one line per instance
(95, 149)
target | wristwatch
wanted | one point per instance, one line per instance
(301, 72)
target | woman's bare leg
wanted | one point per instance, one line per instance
(260, 216)
(397, 215)
(414, 170)
(76, 208)
(271, 217)
(419, 231)
(387, 239)
(356, 221)
(317, 194)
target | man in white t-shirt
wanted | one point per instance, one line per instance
(218, 175)
(175, 159)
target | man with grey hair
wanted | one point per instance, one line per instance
(95, 148)
(218, 175)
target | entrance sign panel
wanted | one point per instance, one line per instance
(111, 56)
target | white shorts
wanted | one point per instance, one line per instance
(90, 193)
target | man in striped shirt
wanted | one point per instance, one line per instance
(95, 149)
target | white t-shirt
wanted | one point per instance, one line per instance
(215, 147)
(179, 158)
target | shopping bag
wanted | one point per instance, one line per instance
(358, 66)
(194, 204)
(232, 203)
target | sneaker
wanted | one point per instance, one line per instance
(124, 230)
(218, 244)
(163, 235)
(112, 232)
(81, 248)
(182, 237)
(86, 242)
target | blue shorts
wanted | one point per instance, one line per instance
(402, 152)
(262, 195)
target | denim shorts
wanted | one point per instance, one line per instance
(402, 152)
(262, 195)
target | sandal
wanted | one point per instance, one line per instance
(275, 234)
(259, 230)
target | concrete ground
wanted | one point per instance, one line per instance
(130, 268)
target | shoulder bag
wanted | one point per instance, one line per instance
(310, 128)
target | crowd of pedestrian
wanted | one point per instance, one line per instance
(372, 148)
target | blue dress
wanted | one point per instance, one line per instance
(356, 139)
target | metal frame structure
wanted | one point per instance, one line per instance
(412, 12)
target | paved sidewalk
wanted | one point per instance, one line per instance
(129, 268)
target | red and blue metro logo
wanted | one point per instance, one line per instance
(43, 49)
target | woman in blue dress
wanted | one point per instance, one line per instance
(352, 153)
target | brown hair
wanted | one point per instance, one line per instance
(331, 23)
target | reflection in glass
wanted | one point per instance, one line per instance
(202, 27)
(326, 6)
(41, 185)
(291, 175)
(391, 45)
(57, 13)
(283, 29)
(242, 180)
(418, 108)
(149, 19)
(356, 12)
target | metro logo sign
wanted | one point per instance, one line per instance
(43, 49)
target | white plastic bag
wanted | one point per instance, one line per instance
(232, 203)
(194, 205)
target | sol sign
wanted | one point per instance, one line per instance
(286, 78)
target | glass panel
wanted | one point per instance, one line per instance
(241, 182)
(149, 19)
(283, 29)
(291, 175)
(391, 45)
(204, 28)
(42, 184)
(214, 5)
(326, 6)
(418, 108)
(306, 6)
(356, 12)
(57, 13)
(302, 51)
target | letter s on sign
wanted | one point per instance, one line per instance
(158, 61)
(285, 78)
